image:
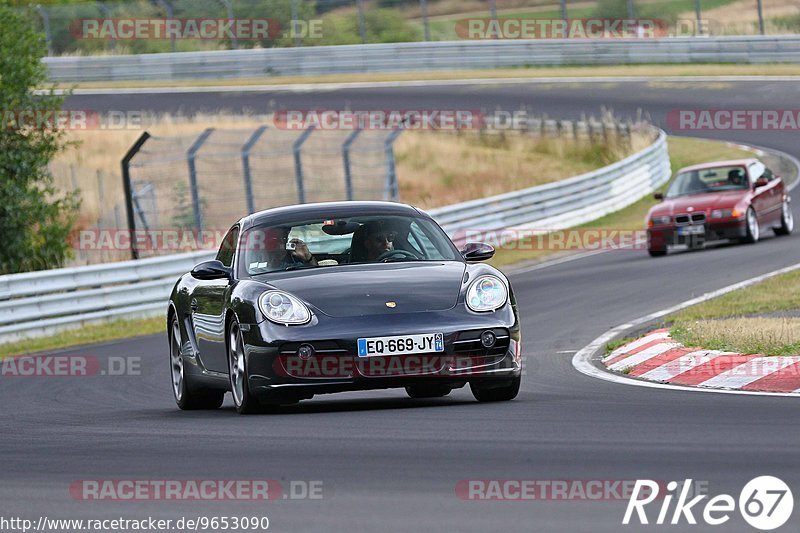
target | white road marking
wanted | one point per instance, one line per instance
(644, 355)
(749, 372)
(682, 364)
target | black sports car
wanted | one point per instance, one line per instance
(332, 297)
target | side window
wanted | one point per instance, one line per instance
(228, 247)
(420, 242)
(768, 174)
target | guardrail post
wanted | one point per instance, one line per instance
(391, 191)
(362, 28)
(348, 177)
(298, 164)
(423, 8)
(190, 158)
(126, 184)
(48, 36)
(248, 180)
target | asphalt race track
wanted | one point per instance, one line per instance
(389, 463)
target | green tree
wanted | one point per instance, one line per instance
(35, 218)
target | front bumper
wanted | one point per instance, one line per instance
(658, 238)
(275, 369)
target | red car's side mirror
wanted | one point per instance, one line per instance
(658, 196)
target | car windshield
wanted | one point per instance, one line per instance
(315, 243)
(708, 180)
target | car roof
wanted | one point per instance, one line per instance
(328, 210)
(716, 164)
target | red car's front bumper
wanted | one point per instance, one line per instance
(659, 237)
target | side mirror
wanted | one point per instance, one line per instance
(477, 251)
(761, 182)
(658, 195)
(213, 269)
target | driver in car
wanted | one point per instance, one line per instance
(378, 240)
(282, 253)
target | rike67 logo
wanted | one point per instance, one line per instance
(765, 503)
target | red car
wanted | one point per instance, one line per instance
(734, 200)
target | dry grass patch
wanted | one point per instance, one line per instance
(741, 17)
(442, 168)
(750, 335)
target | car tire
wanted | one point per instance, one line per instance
(656, 253)
(753, 231)
(187, 398)
(488, 393)
(787, 220)
(244, 402)
(428, 391)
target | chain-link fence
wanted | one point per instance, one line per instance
(150, 26)
(204, 183)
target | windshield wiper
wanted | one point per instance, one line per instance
(298, 267)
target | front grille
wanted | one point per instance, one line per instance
(320, 347)
(469, 342)
(694, 218)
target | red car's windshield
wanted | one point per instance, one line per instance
(708, 180)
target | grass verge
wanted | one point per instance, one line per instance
(754, 320)
(521, 73)
(119, 329)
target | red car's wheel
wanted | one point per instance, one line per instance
(753, 231)
(787, 220)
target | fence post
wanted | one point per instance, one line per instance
(392, 191)
(699, 16)
(46, 24)
(107, 12)
(348, 176)
(423, 7)
(297, 41)
(190, 159)
(760, 18)
(170, 15)
(229, 9)
(126, 184)
(564, 10)
(298, 164)
(362, 29)
(248, 180)
(631, 10)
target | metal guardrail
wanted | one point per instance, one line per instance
(446, 55)
(40, 303)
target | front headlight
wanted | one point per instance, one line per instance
(283, 308)
(487, 293)
(726, 213)
(661, 220)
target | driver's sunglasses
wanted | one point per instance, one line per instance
(388, 237)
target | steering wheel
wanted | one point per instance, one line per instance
(400, 254)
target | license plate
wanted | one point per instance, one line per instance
(692, 230)
(401, 344)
